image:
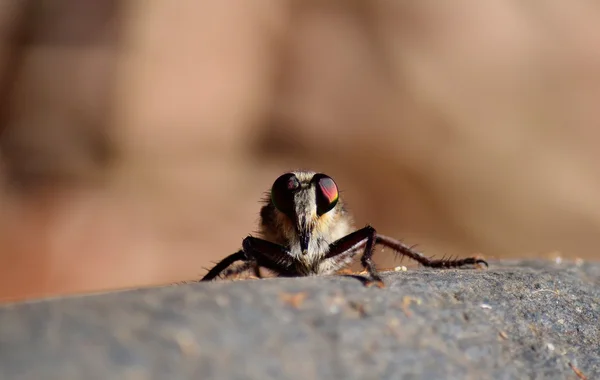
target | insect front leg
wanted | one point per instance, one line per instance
(255, 253)
(269, 255)
(349, 245)
(224, 264)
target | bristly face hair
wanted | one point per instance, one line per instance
(306, 230)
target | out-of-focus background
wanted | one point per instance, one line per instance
(138, 137)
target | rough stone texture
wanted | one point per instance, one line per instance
(517, 320)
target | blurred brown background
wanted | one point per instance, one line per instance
(137, 137)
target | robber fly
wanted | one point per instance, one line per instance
(305, 229)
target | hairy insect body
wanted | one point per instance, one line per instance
(277, 228)
(306, 230)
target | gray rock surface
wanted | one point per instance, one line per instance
(517, 320)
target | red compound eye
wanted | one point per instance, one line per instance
(329, 189)
(327, 193)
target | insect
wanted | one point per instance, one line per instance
(306, 230)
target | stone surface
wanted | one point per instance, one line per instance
(517, 320)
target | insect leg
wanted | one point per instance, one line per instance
(272, 256)
(256, 252)
(405, 250)
(224, 264)
(351, 244)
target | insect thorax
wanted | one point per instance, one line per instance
(278, 228)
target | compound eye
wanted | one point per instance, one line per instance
(327, 193)
(282, 192)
